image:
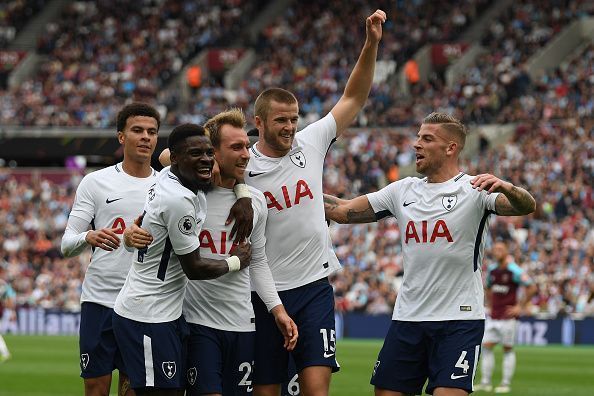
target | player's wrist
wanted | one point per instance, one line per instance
(234, 263)
(241, 190)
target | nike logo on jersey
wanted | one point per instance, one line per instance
(327, 355)
(458, 376)
(254, 174)
(405, 204)
(108, 201)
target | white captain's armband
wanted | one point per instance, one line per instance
(242, 191)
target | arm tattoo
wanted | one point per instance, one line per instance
(364, 216)
(330, 203)
(519, 202)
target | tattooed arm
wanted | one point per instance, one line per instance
(351, 211)
(513, 200)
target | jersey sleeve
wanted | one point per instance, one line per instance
(179, 216)
(260, 274)
(519, 275)
(488, 201)
(320, 134)
(74, 239)
(383, 202)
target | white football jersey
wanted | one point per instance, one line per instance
(443, 229)
(298, 246)
(155, 286)
(225, 303)
(109, 198)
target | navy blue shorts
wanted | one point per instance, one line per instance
(154, 353)
(99, 353)
(219, 361)
(446, 353)
(312, 308)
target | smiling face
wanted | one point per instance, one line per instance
(277, 130)
(232, 155)
(139, 138)
(194, 160)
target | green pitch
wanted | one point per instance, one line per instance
(43, 366)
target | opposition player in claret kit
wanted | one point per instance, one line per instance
(439, 317)
(106, 200)
(503, 280)
(219, 311)
(147, 321)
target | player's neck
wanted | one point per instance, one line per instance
(443, 174)
(226, 182)
(137, 169)
(269, 151)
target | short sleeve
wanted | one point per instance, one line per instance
(319, 134)
(383, 201)
(183, 227)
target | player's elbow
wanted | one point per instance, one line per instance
(66, 250)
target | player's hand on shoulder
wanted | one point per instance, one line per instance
(105, 239)
(243, 214)
(490, 183)
(244, 252)
(137, 237)
(287, 327)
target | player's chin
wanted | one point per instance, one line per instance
(205, 186)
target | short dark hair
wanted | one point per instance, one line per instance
(136, 109)
(181, 132)
(450, 124)
(262, 105)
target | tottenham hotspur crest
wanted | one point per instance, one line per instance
(298, 159)
(168, 369)
(192, 374)
(449, 201)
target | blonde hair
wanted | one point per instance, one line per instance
(233, 117)
(262, 105)
(450, 124)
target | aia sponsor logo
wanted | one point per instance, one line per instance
(289, 198)
(425, 232)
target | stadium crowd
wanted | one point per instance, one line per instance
(14, 15)
(96, 59)
(91, 66)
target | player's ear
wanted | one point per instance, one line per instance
(172, 157)
(259, 123)
(121, 137)
(452, 147)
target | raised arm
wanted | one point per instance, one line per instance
(513, 200)
(358, 85)
(349, 211)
